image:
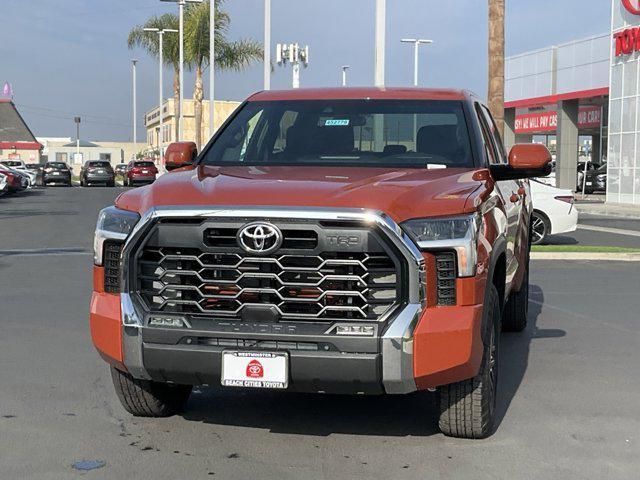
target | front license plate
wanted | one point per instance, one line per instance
(145, 171)
(255, 369)
(589, 183)
(56, 173)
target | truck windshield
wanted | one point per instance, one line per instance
(368, 133)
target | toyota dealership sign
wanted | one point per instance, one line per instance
(632, 6)
(624, 90)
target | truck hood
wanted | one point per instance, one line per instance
(402, 194)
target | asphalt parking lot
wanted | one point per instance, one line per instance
(568, 386)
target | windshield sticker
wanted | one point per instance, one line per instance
(337, 122)
(435, 166)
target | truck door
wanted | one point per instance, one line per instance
(511, 191)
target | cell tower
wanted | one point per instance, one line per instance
(293, 54)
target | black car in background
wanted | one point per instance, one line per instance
(97, 171)
(596, 179)
(56, 172)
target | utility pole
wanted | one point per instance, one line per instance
(267, 45)
(416, 44)
(293, 54)
(344, 75)
(134, 61)
(381, 20)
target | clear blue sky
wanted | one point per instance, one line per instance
(70, 57)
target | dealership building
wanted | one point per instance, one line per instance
(585, 92)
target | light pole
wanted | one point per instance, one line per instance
(160, 87)
(181, 4)
(344, 75)
(416, 44)
(134, 61)
(267, 45)
(380, 33)
(77, 120)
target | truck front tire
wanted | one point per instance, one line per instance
(146, 398)
(467, 408)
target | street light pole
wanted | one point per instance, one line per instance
(160, 82)
(134, 61)
(267, 45)
(416, 44)
(344, 75)
(181, 4)
(380, 32)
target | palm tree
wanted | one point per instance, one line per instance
(171, 54)
(496, 62)
(229, 55)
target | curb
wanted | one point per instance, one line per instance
(602, 256)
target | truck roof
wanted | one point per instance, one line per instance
(378, 93)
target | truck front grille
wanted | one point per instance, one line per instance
(305, 285)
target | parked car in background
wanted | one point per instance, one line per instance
(596, 179)
(4, 186)
(120, 170)
(551, 179)
(553, 211)
(56, 172)
(37, 169)
(97, 171)
(140, 171)
(20, 167)
(15, 181)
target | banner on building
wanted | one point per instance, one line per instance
(547, 121)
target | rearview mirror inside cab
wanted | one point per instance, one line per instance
(526, 160)
(180, 154)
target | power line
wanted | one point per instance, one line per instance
(87, 115)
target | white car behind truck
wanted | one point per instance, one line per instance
(554, 211)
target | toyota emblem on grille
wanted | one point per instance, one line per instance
(261, 238)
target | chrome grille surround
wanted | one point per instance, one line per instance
(397, 338)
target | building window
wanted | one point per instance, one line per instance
(61, 157)
(105, 156)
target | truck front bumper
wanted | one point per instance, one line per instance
(444, 348)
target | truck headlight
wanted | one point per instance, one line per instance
(113, 224)
(459, 234)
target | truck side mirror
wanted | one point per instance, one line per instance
(526, 160)
(180, 154)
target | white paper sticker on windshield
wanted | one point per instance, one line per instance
(435, 166)
(336, 122)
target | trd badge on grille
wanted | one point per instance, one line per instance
(259, 237)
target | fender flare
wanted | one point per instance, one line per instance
(499, 248)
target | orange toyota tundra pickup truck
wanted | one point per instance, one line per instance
(365, 241)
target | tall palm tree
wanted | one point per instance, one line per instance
(229, 55)
(496, 62)
(171, 51)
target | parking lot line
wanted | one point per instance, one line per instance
(616, 231)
